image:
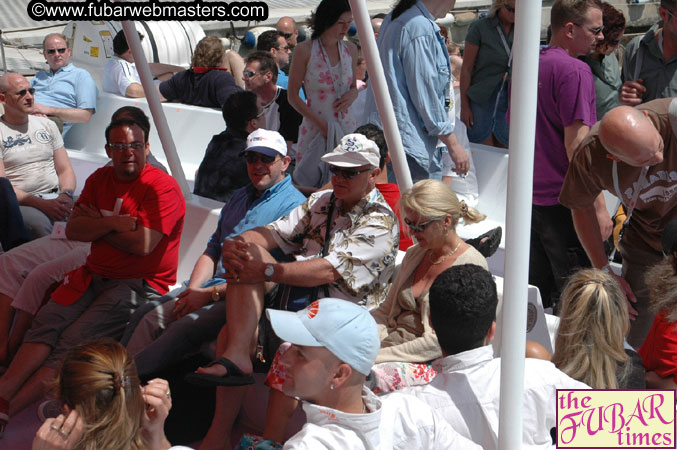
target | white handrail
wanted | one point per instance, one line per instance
(518, 219)
(153, 98)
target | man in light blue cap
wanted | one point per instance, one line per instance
(334, 345)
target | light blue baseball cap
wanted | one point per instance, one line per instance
(344, 328)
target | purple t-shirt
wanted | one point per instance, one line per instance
(566, 93)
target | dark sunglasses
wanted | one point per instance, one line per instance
(61, 51)
(249, 73)
(120, 147)
(594, 31)
(254, 157)
(509, 8)
(23, 92)
(346, 173)
(419, 227)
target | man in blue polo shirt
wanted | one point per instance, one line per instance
(64, 93)
(269, 196)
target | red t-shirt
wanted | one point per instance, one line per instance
(157, 202)
(391, 193)
(659, 350)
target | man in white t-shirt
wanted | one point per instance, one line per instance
(120, 75)
(466, 389)
(33, 158)
(334, 345)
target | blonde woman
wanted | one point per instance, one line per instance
(590, 343)
(104, 405)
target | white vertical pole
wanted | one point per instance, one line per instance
(383, 102)
(155, 106)
(524, 92)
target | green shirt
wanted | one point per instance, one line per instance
(491, 61)
(659, 76)
(607, 74)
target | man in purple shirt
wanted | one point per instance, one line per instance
(566, 111)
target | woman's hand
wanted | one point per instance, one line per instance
(347, 99)
(59, 433)
(158, 399)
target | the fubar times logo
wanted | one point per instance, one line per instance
(605, 419)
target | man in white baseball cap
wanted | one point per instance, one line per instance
(334, 345)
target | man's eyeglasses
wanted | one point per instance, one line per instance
(419, 227)
(254, 157)
(120, 147)
(61, 51)
(249, 73)
(347, 173)
(23, 92)
(510, 9)
(594, 31)
(285, 48)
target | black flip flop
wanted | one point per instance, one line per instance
(234, 377)
(490, 245)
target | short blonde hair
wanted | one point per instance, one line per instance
(593, 324)
(432, 199)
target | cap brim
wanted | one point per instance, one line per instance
(264, 150)
(345, 160)
(288, 326)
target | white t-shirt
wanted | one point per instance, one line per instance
(394, 421)
(27, 152)
(118, 75)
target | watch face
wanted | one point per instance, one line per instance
(269, 270)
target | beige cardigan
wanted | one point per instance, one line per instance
(424, 348)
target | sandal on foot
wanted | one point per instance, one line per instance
(488, 243)
(234, 377)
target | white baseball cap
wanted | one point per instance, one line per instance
(268, 142)
(354, 150)
(342, 327)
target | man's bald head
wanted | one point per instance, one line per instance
(287, 26)
(7, 80)
(16, 96)
(628, 134)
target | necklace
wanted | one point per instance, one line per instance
(441, 260)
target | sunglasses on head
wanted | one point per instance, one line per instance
(419, 227)
(509, 8)
(61, 51)
(348, 174)
(254, 157)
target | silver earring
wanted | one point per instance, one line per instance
(331, 387)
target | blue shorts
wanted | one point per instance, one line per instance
(485, 123)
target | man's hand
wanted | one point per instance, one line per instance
(59, 433)
(632, 93)
(467, 116)
(87, 210)
(191, 300)
(629, 295)
(122, 224)
(233, 254)
(56, 209)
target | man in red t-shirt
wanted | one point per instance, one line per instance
(132, 213)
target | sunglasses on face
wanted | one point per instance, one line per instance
(249, 73)
(254, 157)
(594, 31)
(419, 227)
(23, 92)
(120, 147)
(346, 173)
(509, 8)
(61, 51)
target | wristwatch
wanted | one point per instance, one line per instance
(68, 192)
(215, 294)
(269, 271)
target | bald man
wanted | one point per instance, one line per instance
(287, 26)
(613, 157)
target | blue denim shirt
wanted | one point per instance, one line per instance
(417, 69)
(245, 211)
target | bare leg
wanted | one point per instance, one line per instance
(28, 359)
(6, 316)
(280, 410)
(21, 325)
(243, 311)
(228, 403)
(32, 390)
